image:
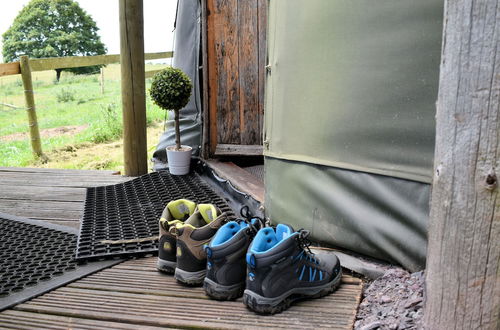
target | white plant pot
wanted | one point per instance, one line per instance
(179, 160)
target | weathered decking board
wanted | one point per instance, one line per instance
(133, 294)
(53, 195)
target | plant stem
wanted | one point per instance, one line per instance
(177, 131)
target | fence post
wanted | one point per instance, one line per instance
(133, 87)
(102, 80)
(36, 144)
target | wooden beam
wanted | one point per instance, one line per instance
(7, 69)
(36, 144)
(52, 63)
(149, 74)
(212, 75)
(262, 62)
(226, 63)
(463, 255)
(159, 55)
(205, 140)
(43, 64)
(133, 87)
(238, 150)
(248, 73)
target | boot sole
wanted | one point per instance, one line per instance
(165, 266)
(190, 278)
(263, 305)
(223, 292)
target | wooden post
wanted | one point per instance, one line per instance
(463, 256)
(212, 78)
(205, 141)
(133, 87)
(30, 106)
(102, 80)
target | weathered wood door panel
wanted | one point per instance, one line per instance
(236, 42)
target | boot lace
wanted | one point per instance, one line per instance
(247, 216)
(304, 244)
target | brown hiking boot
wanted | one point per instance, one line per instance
(192, 236)
(176, 212)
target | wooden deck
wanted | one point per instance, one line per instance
(133, 294)
(52, 195)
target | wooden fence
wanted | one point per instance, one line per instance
(52, 63)
(25, 66)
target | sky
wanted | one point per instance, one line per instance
(159, 16)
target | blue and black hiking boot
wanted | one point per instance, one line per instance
(282, 269)
(176, 212)
(226, 265)
(192, 235)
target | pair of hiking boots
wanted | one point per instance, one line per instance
(184, 230)
(270, 267)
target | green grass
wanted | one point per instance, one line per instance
(74, 101)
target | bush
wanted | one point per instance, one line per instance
(78, 79)
(65, 95)
(110, 128)
(171, 89)
(8, 90)
(37, 83)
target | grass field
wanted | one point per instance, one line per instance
(73, 115)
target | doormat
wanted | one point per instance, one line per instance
(36, 257)
(122, 219)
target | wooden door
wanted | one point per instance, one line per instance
(236, 59)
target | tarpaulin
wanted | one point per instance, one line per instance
(186, 58)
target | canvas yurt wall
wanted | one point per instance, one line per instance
(350, 100)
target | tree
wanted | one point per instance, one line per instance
(463, 257)
(53, 28)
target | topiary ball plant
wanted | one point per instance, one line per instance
(171, 90)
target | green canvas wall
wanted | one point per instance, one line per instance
(350, 94)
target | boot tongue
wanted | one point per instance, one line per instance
(283, 231)
(208, 212)
(181, 209)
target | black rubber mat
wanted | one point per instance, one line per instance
(122, 219)
(36, 257)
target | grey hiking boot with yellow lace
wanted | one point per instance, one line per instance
(192, 235)
(176, 212)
